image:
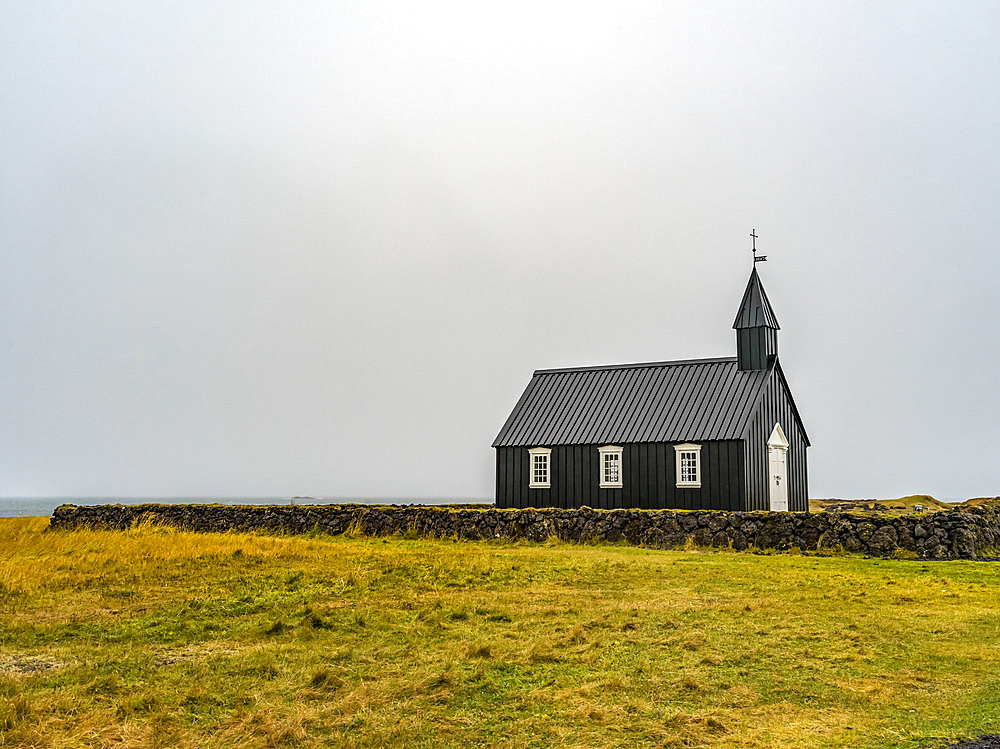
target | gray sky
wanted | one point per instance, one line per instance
(293, 248)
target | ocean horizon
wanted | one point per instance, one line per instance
(21, 507)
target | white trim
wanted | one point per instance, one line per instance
(611, 451)
(688, 447)
(542, 452)
(777, 470)
(777, 440)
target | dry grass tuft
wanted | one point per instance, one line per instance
(693, 642)
(575, 636)
(326, 680)
(541, 652)
(477, 650)
(614, 684)
(690, 682)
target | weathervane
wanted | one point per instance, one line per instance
(762, 258)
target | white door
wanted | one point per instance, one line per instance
(776, 459)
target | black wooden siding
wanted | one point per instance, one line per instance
(648, 477)
(776, 406)
(755, 347)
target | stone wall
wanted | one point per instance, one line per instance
(967, 534)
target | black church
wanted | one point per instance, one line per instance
(721, 434)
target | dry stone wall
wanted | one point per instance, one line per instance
(967, 534)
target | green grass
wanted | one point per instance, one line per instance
(154, 637)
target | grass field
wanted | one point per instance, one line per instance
(901, 506)
(154, 637)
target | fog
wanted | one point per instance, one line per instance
(318, 249)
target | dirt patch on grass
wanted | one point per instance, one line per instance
(985, 742)
(26, 665)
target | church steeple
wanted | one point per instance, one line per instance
(756, 328)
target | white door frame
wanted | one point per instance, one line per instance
(777, 469)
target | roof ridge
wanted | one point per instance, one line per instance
(637, 365)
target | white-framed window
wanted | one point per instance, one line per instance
(688, 465)
(540, 458)
(611, 466)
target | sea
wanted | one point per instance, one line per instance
(21, 507)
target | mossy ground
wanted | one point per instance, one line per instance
(154, 637)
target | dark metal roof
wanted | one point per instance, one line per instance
(755, 310)
(698, 399)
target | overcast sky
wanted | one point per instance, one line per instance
(318, 248)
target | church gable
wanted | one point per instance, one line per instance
(776, 397)
(775, 407)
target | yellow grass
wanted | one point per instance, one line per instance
(154, 637)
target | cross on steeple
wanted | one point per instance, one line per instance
(762, 258)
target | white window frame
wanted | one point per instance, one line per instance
(610, 450)
(688, 447)
(541, 452)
